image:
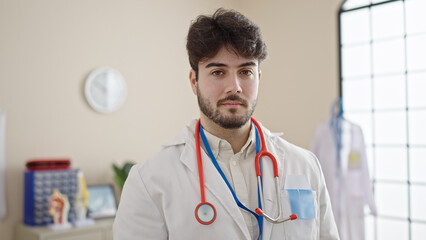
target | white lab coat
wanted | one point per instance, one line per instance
(160, 195)
(350, 186)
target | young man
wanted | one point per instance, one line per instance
(208, 189)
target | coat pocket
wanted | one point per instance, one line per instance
(300, 229)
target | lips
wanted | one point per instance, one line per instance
(232, 103)
(232, 100)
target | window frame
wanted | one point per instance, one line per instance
(373, 112)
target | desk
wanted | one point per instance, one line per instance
(102, 230)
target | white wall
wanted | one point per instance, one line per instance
(48, 47)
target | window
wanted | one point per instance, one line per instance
(383, 89)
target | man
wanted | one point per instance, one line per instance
(161, 195)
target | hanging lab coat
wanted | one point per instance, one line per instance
(349, 185)
(160, 195)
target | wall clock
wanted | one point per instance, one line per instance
(105, 90)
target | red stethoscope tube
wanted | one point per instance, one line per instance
(263, 152)
(202, 217)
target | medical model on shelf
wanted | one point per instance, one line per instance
(81, 203)
(58, 209)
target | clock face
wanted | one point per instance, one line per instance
(105, 90)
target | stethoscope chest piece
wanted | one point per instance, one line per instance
(205, 213)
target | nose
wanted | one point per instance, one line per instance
(233, 84)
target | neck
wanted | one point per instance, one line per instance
(236, 137)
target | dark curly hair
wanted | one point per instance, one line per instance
(229, 28)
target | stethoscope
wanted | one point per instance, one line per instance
(205, 212)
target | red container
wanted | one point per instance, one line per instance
(48, 164)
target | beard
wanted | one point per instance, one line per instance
(231, 121)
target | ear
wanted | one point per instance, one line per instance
(193, 81)
(260, 74)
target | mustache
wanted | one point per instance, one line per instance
(233, 97)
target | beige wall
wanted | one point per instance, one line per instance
(48, 47)
(300, 77)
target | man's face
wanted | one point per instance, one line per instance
(227, 88)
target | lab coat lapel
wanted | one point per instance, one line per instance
(215, 187)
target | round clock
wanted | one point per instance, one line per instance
(105, 90)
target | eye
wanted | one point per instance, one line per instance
(217, 73)
(247, 72)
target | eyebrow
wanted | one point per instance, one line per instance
(246, 64)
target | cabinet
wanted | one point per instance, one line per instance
(101, 230)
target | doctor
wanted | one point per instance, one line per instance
(161, 194)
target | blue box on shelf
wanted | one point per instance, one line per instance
(39, 185)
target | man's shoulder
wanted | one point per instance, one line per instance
(281, 144)
(292, 149)
(160, 159)
(297, 160)
(168, 155)
(294, 155)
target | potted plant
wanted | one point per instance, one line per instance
(121, 173)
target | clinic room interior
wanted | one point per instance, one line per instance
(363, 61)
